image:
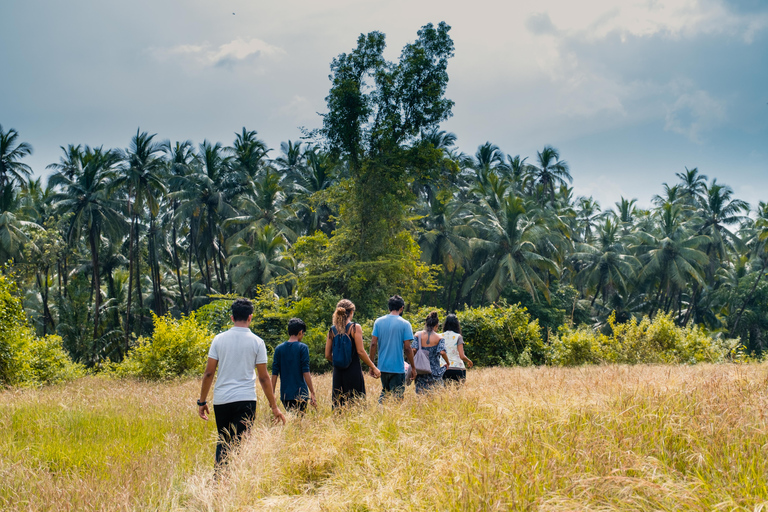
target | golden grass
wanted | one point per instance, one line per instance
(592, 438)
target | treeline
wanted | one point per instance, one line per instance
(378, 201)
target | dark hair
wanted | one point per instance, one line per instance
(241, 310)
(432, 321)
(396, 303)
(452, 324)
(295, 326)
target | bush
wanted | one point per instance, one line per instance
(270, 321)
(177, 347)
(26, 359)
(650, 341)
(497, 335)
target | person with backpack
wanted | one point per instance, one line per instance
(458, 362)
(430, 348)
(290, 362)
(392, 335)
(344, 348)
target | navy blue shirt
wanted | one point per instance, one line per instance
(289, 362)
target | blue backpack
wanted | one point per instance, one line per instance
(342, 348)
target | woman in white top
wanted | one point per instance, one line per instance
(454, 347)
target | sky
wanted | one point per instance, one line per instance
(629, 92)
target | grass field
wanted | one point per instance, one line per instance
(599, 438)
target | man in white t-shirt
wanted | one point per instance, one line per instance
(236, 352)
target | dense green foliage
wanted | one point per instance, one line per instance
(177, 347)
(649, 341)
(375, 202)
(27, 359)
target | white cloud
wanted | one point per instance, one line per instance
(226, 55)
(693, 114)
(299, 109)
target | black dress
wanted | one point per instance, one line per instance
(348, 383)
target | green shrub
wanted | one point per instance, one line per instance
(177, 347)
(270, 321)
(26, 359)
(649, 341)
(497, 335)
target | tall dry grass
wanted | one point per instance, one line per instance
(600, 438)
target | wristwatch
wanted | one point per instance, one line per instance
(200, 404)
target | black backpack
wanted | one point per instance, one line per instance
(342, 348)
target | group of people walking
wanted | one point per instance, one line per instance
(426, 358)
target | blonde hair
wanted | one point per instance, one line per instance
(344, 309)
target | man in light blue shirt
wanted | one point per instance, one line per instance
(392, 335)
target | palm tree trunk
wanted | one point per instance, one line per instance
(450, 290)
(139, 295)
(155, 269)
(177, 265)
(96, 283)
(130, 285)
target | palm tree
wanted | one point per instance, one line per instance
(692, 184)
(550, 171)
(180, 158)
(13, 229)
(141, 177)
(508, 250)
(204, 196)
(605, 266)
(267, 258)
(587, 215)
(718, 208)
(11, 153)
(444, 238)
(87, 196)
(672, 257)
(759, 250)
(248, 152)
(487, 161)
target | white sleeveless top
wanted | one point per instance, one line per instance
(452, 342)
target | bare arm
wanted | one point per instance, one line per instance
(445, 357)
(210, 371)
(408, 352)
(463, 357)
(266, 386)
(274, 383)
(308, 380)
(363, 355)
(328, 347)
(374, 347)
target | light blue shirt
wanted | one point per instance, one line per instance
(392, 331)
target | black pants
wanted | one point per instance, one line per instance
(232, 420)
(392, 384)
(455, 375)
(297, 406)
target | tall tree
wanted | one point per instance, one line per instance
(87, 196)
(12, 169)
(549, 171)
(141, 177)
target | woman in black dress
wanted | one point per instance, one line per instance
(348, 383)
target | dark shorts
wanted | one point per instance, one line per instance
(232, 420)
(455, 375)
(392, 384)
(298, 406)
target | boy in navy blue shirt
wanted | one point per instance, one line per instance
(290, 362)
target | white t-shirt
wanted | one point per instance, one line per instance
(452, 342)
(238, 351)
